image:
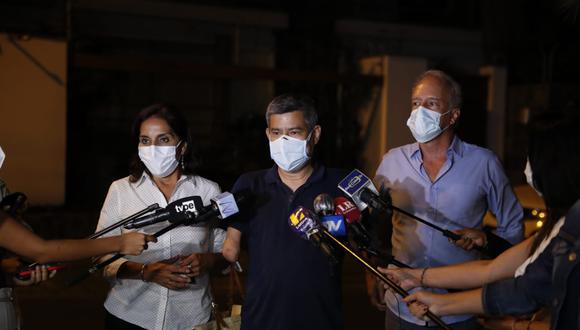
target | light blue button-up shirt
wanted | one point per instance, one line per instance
(470, 182)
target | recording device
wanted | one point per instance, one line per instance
(360, 234)
(334, 223)
(180, 209)
(365, 192)
(24, 274)
(307, 225)
(222, 206)
(353, 184)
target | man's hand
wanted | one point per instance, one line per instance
(470, 238)
(376, 292)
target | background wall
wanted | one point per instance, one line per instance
(33, 117)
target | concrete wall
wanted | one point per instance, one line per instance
(33, 119)
(384, 120)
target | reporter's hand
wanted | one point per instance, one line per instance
(376, 292)
(134, 243)
(171, 276)
(404, 277)
(39, 274)
(422, 301)
(470, 238)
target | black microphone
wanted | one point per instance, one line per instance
(174, 211)
(366, 194)
(222, 206)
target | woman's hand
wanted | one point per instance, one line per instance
(39, 274)
(404, 277)
(422, 301)
(134, 243)
(170, 275)
(198, 263)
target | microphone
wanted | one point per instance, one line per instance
(180, 209)
(222, 206)
(353, 185)
(13, 203)
(365, 192)
(361, 236)
(334, 223)
(323, 204)
(304, 222)
(352, 216)
(307, 225)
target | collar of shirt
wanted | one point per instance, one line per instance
(455, 149)
(272, 176)
(145, 177)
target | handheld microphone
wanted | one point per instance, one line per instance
(365, 192)
(323, 204)
(222, 206)
(334, 223)
(175, 211)
(361, 236)
(306, 224)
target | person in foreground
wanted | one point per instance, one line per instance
(520, 280)
(290, 284)
(167, 287)
(449, 183)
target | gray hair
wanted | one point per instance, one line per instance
(291, 102)
(455, 98)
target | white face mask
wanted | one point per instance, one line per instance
(530, 177)
(159, 160)
(290, 154)
(2, 157)
(425, 124)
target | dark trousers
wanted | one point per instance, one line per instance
(393, 322)
(114, 323)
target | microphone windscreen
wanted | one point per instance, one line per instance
(323, 204)
(303, 222)
(348, 209)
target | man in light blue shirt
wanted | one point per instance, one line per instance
(447, 182)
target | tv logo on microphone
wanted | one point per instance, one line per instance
(353, 182)
(188, 207)
(334, 224)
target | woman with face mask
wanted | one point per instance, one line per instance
(167, 287)
(552, 170)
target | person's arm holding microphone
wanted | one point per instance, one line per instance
(20, 240)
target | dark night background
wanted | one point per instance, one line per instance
(222, 69)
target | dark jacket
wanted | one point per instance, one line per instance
(553, 279)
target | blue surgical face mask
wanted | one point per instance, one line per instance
(425, 124)
(290, 154)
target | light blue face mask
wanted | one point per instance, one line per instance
(425, 124)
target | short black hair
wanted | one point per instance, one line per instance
(178, 123)
(293, 102)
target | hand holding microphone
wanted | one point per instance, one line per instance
(305, 223)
